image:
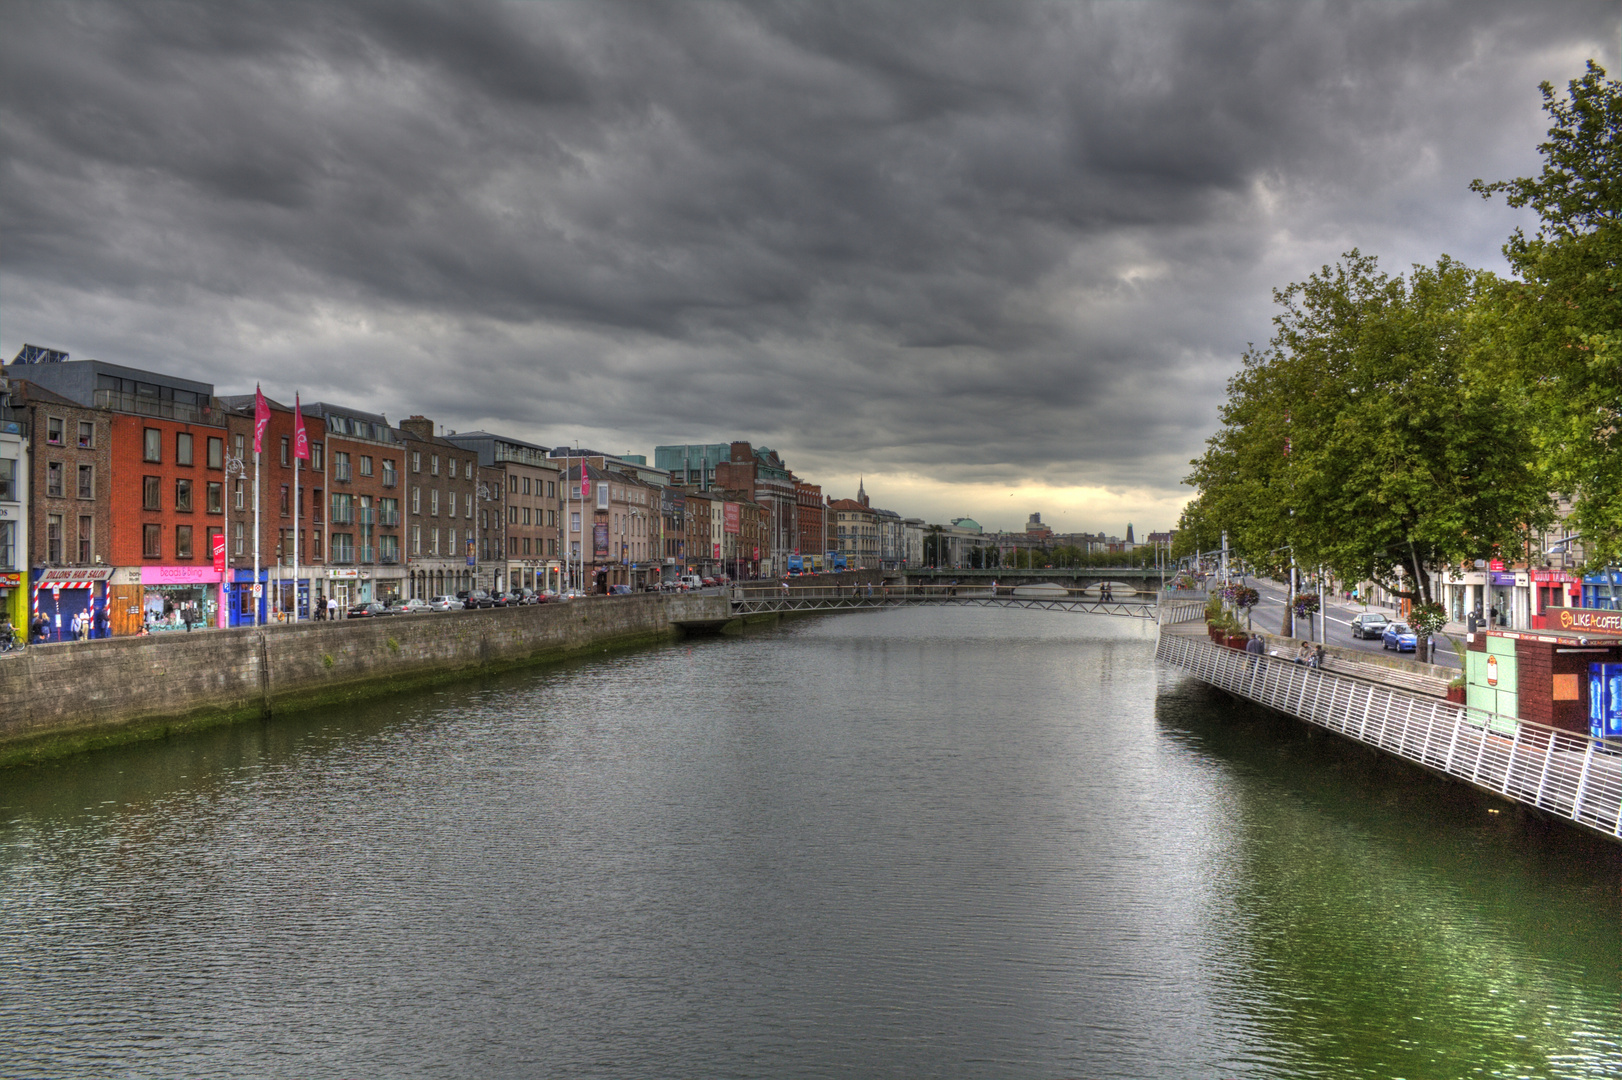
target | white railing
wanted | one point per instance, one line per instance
(1559, 772)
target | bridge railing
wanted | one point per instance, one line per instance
(1559, 772)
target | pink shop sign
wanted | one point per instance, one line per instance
(179, 575)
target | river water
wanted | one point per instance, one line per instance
(964, 843)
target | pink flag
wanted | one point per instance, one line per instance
(261, 418)
(301, 441)
(585, 483)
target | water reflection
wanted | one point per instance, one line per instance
(957, 844)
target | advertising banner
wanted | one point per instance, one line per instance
(1586, 620)
(219, 553)
(729, 518)
(599, 539)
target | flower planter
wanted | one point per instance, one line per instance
(1455, 694)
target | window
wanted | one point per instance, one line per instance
(152, 448)
(53, 538)
(343, 510)
(366, 465)
(315, 545)
(416, 461)
(183, 495)
(237, 544)
(433, 502)
(8, 545)
(150, 488)
(239, 452)
(317, 456)
(416, 539)
(551, 547)
(287, 445)
(433, 540)
(87, 481)
(450, 541)
(152, 541)
(8, 481)
(389, 476)
(512, 484)
(526, 545)
(343, 547)
(182, 541)
(287, 501)
(340, 466)
(574, 521)
(512, 515)
(388, 548)
(317, 506)
(213, 531)
(526, 515)
(53, 479)
(182, 448)
(87, 434)
(240, 493)
(416, 500)
(469, 512)
(216, 452)
(552, 492)
(526, 485)
(216, 497)
(433, 464)
(53, 430)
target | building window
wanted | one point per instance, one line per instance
(241, 445)
(450, 541)
(469, 504)
(152, 447)
(552, 492)
(343, 547)
(87, 481)
(183, 495)
(53, 538)
(216, 497)
(287, 446)
(182, 541)
(416, 539)
(216, 452)
(526, 516)
(238, 543)
(512, 515)
(416, 461)
(340, 466)
(433, 540)
(512, 484)
(53, 431)
(211, 534)
(240, 493)
(574, 521)
(182, 448)
(389, 476)
(416, 500)
(287, 501)
(317, 506)
(433, 464)
(433, 502)
(366, 465)
(53, 479)
(526, 485)
(87, 434)
(152, 541)
(526, 545)
(151, 486)
(316, 456)
(315, 545)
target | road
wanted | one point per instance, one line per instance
(1269, 616)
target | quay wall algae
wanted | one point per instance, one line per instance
(60, 699)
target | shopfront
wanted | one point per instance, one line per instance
(276, 597)
(181, 598)
(59, 595)
(14, 602)
(1551, 591)
(344, 585)
(1603, 591)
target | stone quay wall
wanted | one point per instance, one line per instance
(64, 698)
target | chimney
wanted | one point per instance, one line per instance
(420, 426)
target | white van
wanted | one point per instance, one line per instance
(692, 581)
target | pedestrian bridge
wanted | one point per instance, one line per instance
(757, 599)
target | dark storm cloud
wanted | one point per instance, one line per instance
(980, 241)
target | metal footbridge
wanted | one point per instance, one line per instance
(751, 599)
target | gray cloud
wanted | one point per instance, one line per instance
(986, 242)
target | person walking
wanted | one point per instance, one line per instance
(41, 627)
(332, 609)
(82, 632)
(1256, 647)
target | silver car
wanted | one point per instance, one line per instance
(445, 603)
(1370, 624)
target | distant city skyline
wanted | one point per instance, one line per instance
(990, 259)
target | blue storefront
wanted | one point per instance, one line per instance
(1603, 590)
(59, 595)
(275, 600)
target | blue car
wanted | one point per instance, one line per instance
(1398, 636)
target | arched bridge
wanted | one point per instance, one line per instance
(751, 598)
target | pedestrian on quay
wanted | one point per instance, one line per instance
(1303, 655)
(332, 609)
(1317, 661)
(83, 633)
(41, 627)
(75, 623)
(1256, 647)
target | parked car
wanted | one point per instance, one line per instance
(619, 590)
(369, 610)
(1397, 636)
(411, 606)
(445, 603)
(1370, 624)
(476, 598)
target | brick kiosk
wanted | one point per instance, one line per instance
(1542, 676)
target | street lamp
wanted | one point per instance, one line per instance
(234, 467)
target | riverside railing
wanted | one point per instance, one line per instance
(1559, 772)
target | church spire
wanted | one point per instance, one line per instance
(861, 491)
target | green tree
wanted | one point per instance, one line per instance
(1564, 318)
(1375, 431)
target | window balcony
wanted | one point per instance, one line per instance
(389, 560)
(388, 518)
(340, 473)
(343, 517)
(368, 516)
(368, 554)
(391, 480)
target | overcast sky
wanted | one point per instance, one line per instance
(997, 258)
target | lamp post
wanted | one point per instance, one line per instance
(234, 467)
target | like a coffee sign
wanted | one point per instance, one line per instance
(1589, 620)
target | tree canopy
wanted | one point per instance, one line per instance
(1376, 430)
(1563, 320)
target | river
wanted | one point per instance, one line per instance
(963, 843)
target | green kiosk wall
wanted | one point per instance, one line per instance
(1497, 706)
